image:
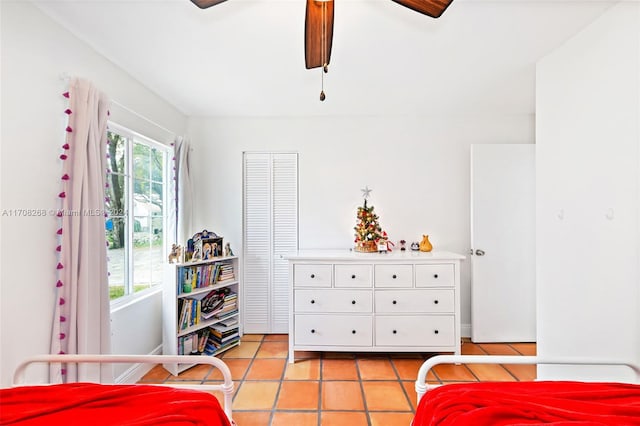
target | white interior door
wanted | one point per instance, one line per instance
(503, 296)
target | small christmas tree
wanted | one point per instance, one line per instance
(368, 231)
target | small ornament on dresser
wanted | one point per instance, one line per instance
(415, 246)
(403, 244)
(425, 244)
(384, 245)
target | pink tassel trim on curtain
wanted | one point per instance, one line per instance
(81, 317)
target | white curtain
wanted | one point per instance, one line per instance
(82, 320)
(184, 192)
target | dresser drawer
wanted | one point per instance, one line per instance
(337, 330)
(441, 275)
(393, 275)
(333, 300)
(418, 301)
(352, 276)
(415, 330)
(312, 275)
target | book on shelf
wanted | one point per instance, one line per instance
(204, 275)
(229, 322)
(213, 346)
(226, 272)
(222, 332)
(227, 315)
(188, 344)
(202, 339)
(212, 303)
(192, 310)
(216, 304)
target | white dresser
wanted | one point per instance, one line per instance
(374, 302)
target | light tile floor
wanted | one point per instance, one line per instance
(336, 389)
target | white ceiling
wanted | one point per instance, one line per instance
(246, 57)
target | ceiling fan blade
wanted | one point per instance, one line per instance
(433, 8)
(203, 4)
(318, 33)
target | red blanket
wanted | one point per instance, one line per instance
(100, 405)
(525, 403)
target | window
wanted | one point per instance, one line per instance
(137, 205)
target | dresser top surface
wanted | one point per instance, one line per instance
(349, 255)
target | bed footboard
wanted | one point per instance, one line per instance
(422, 387)
(226, 387)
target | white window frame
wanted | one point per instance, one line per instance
(167, 196)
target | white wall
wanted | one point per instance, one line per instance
(588, 190)
(35, 52)
(418, 168)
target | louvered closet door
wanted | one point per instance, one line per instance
(285, 234)
(270, 229)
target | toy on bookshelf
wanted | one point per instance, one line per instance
(175, 256)
(227, 250)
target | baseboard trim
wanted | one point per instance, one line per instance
(465, 330)
(134, 373)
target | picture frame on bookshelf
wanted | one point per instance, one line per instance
(204, 245)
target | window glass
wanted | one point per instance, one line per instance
(136, 221)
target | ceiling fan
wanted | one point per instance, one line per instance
(319, 26)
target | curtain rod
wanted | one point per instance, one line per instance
(66, 78)
(129, 110)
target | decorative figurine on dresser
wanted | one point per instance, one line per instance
(364, 301)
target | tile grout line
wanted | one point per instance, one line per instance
(246, 371)
(320, 386)
(364, 398)
(404, 391)
(275, 401)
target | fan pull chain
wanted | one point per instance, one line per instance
(323, 51)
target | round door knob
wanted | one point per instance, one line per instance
(435, 301)
(353, 302)
(313, 301)
(313, 330)
(394, 302)
(435, 275)
(353, 332)
(353, 277)
(395, 331)
(435, 331)
(313, 275)
(394, 276)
